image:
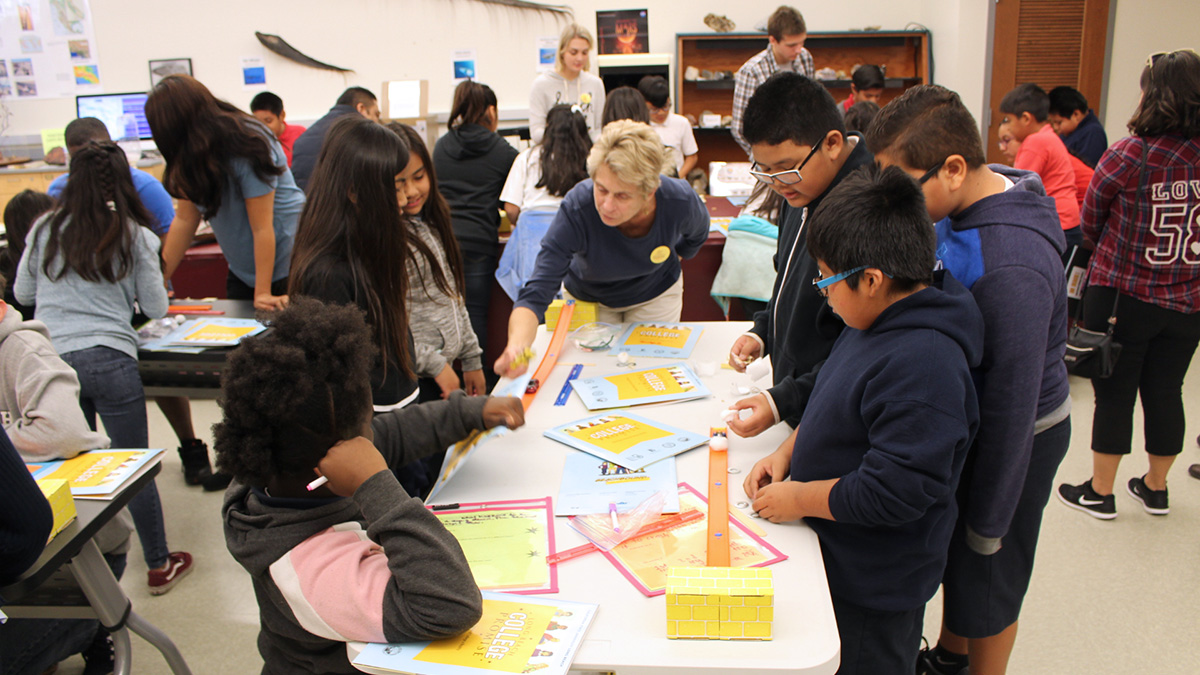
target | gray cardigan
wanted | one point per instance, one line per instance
(82, 314)
(439, 323)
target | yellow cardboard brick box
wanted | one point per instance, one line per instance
(585, 312)
(62, 505)
(720, 603)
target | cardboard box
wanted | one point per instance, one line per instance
(585, 312)
(720, 603)
(58, 493)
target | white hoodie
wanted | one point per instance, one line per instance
(39, 394)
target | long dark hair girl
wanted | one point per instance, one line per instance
(352, 218)
(197, 135)
(565, 148)
(471, 103)
(99, 201)
(436, 213)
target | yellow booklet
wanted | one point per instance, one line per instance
(517, 634)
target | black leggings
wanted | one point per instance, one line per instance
(236, 289)
(1156, 348)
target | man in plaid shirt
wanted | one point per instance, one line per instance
(786, 33)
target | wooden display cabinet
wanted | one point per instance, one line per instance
(905, 56)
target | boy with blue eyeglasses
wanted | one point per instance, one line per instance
(889, 422)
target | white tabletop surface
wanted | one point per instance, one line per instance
(629, 633)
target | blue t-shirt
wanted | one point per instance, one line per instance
(598, 263)
(231, 225)
(154, 197)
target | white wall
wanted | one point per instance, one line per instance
(408, 39)
(1143, 27)
(960, 30)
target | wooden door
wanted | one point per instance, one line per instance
(1051, 43)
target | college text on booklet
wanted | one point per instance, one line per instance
(626, 439)
(661, 340)
(505, 543)
(657, 384)
(590, 484)
(95, 474)
(517, 634)
(644, 560)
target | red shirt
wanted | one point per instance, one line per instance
(1147, 244)
(1083, 178)
(1043, 153)
(290, 133)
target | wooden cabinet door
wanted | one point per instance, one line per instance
(1051, 43)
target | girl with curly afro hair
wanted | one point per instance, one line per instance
(356, 559)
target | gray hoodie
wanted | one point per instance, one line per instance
(39, 394)
(550, 89)
(375, 567)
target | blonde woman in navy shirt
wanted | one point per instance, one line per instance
(617, 240)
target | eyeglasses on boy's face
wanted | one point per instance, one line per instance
(822, 284)
(791, 176)
(938, 167)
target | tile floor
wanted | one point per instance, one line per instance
(1121, 596)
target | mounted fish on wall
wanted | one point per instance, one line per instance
(281, 47)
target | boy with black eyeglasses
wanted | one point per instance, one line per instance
(801, 150)
(889, 422)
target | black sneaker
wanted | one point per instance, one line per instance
(933, 661)
(1084, 498)
(99, 658)
(1154, 501)
(218, 481)
(1194, 471)
(194, 455)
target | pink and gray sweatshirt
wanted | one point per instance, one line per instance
(374, 567)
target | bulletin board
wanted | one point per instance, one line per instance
(48, 49)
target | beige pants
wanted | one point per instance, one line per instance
(666, 308)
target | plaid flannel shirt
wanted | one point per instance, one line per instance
(753, 73)
(1148, 244)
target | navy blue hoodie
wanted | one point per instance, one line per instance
(1088, 142)
(1006, 248)
(892, 415)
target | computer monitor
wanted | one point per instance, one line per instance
(123, 114)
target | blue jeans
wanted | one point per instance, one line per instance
(109, 385)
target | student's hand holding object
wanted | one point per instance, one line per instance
(780, 502)
(349, 464)
(503, 410)
(745, 349)
(447, 380)
(514, 361)
(759, 420)
(773, 468)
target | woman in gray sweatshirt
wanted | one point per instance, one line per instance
(569, 83)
